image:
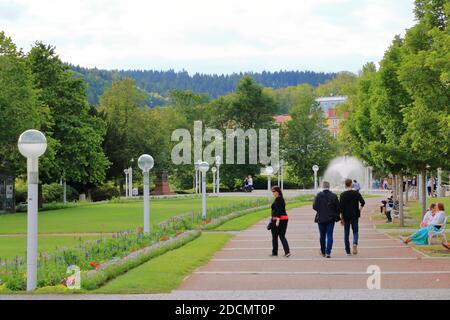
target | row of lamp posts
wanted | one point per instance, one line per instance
(198, 181)
(32, 144)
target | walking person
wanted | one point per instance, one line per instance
(349, 204)
(279, 223)
(326, 204)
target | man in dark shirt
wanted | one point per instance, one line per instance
(326, 204)
(350, 214)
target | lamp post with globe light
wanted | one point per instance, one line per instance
(214, 170)
(269, 173)
(203, 167)
(197, 176)
(32, 144)
(315, 169)
(145, 163)
(126, 182)
(218, 163)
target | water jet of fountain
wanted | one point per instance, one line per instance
(342, 168)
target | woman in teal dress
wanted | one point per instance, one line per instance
(421, 236)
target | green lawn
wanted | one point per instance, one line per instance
(110, 217)
(246, 221)
(166, 272)
(17, 245)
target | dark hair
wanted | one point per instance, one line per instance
(441, 206)
(348, 183)
(432, 206)
(278, 189)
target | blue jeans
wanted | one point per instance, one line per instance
(355, 228)
(326, 237)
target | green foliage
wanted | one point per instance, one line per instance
(249, 107)
(344, 84)
(19, 105)
(159, 86)
(106, 191)
(290, 96)
(76, 135)
(400, 121)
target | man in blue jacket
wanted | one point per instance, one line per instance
(326, 204)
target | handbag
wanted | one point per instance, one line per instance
(270, 225)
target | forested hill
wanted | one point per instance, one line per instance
(157, 84)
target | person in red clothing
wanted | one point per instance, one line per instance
(279, 223)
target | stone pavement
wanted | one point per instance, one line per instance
(244, 263)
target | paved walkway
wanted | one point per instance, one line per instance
(244, 263)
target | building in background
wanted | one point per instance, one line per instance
(328, 105)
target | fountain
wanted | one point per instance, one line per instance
(342, 168)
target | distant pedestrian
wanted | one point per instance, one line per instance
(326, 204)
(349, 204)
(356, 186)
(279, 223)
(385, 184)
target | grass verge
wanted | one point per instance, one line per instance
(166, 272)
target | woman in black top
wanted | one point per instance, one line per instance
(279, 223)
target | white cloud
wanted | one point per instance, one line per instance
(211, 36)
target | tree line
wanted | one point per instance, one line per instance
(157, 84)
(400, 113)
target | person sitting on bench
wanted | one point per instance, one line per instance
(421, 236)
(429, 215)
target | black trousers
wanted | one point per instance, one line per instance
(279, 232)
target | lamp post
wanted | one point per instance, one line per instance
(214, 170)
(269, 172)
(145, 163)
(32, 144)
(203, 167)
(130, 179)
(282, 174)
(126, 182)
(197, 176)
(218, 163)
(315, 169)
(439, 190)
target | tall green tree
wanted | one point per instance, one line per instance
(248, 107)
(425, 73)
(119, 107)
(306, 141)
(79, 133)
(19, 104)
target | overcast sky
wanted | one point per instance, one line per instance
(210, 36)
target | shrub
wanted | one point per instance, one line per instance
(4, 289)
(105, 192)
(52, 192)
(55, 289)
(21, 190)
